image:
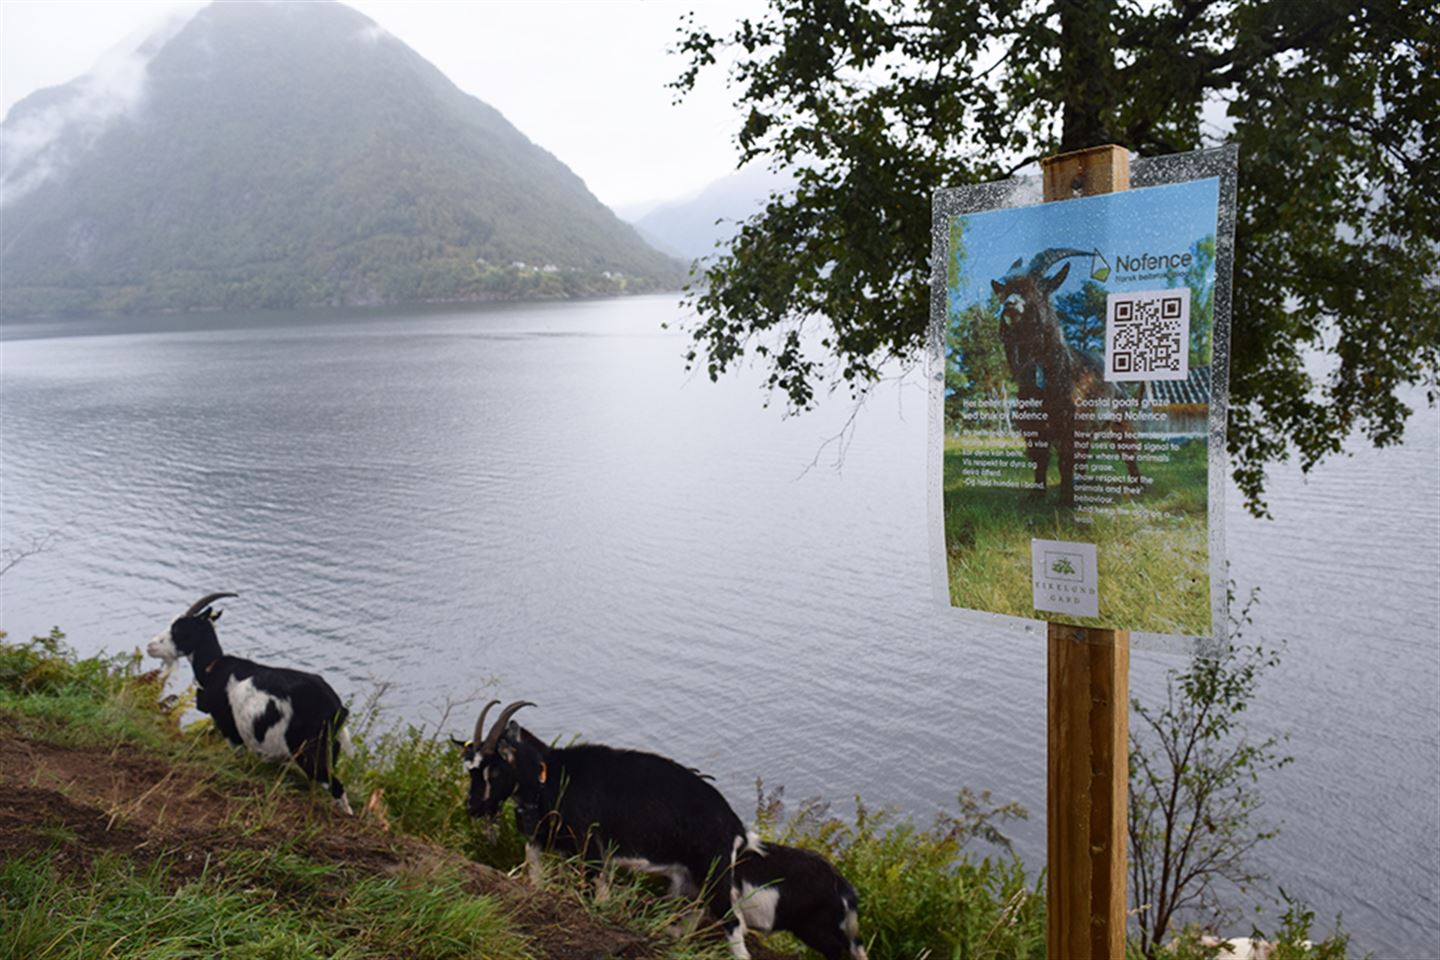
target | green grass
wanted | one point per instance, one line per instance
(1154, 567)
(246, 907)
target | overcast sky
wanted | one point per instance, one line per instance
(586, 80)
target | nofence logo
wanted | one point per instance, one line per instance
(1141, 262)
(1063, 577)
(1099, 266)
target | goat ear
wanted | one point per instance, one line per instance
(998, 287)
(513, 741)
(216, 615)
(462, 744)
(518, 737)
(1054, 282)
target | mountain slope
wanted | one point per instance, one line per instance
(285, 154)
(691, 228)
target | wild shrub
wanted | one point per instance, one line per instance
(922, 894)
(424, 794)
(47, 665)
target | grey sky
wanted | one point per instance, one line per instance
(585, 80)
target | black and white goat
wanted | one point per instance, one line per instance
(635, 810)
(787, 889)
(279, 713)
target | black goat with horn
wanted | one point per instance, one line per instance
(1048, 369)
(276, 712)
(636, 810)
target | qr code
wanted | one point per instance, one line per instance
(1147, 335)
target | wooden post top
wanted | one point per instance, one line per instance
(1082, 173)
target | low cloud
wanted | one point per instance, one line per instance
(372, 34)
(41, 142)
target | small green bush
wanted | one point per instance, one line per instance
(47, 665)
(424, 795)
(921, 894)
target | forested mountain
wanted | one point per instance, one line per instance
(285, 154)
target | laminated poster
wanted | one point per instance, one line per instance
(1082, 403)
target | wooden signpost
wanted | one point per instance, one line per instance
(1088, 713)
(1087, 755)
(1070, 326)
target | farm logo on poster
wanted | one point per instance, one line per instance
(1063, 578)
(1078, 352)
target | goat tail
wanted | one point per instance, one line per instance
(753, 843)
(342, 744)
(851, 925)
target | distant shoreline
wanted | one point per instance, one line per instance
(102, 319)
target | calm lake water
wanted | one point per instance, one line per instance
(539, 498)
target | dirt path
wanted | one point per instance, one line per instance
(85, 801)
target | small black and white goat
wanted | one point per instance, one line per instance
(787, 889)
(631, 809)
(279, 713)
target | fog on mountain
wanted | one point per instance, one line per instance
(282, 155)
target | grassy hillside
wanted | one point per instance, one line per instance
(121, 836)
(280, 155)
(124, 836)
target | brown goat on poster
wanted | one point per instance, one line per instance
(1050, 370)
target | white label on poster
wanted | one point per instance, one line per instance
(1063, 577)
(1147, 335)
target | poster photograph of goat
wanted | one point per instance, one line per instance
(1077, 389)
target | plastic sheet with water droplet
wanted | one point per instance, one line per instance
(1219, 164)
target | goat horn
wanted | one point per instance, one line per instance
(205, 601)
(1047, 258)
(498, 731)
(480, 724)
